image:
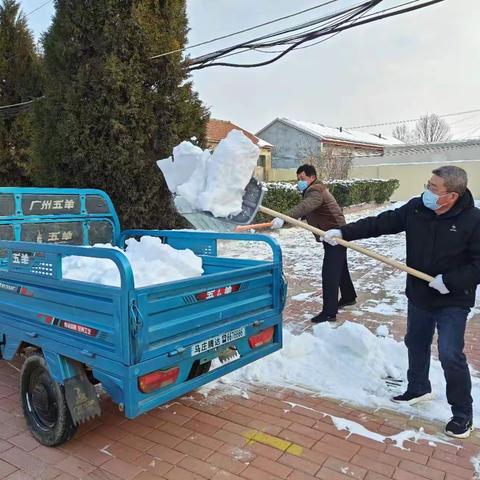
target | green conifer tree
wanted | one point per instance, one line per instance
(110, 110)
(20, 81)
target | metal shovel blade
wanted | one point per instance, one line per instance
(202, 220)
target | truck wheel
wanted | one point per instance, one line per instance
(44, 405)
(198, 369)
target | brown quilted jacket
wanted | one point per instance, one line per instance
(319, 208)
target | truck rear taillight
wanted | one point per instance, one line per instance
(262, 338)
(158, 379)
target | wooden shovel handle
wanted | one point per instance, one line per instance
(353, 246)
(254, 226)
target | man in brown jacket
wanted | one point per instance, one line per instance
(322, 211)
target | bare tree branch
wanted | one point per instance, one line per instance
(329, 164)
(432, 128)
(402, 133)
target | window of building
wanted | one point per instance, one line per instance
(261, 161)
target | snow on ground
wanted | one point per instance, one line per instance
(348, 363)
(355, 428)
(476, 465)
(152, 262)
(302, 296)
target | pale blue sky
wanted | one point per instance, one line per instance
(399, 68)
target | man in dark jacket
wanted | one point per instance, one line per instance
(322, 211)
(443, 240)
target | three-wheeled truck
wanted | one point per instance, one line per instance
(145, 346)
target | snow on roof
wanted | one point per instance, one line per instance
(345, 135)
(407, 148)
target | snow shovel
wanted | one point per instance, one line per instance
(353, 246)
(201, 220)
(252, 198)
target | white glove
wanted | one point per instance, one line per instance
(329, 234)
(437, 284)
(277, 223)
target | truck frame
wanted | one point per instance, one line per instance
(144, 346)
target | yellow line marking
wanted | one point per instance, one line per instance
(295, 449)
(253, 436)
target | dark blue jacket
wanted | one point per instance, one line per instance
(447, 244)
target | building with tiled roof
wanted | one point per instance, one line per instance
(296, 142)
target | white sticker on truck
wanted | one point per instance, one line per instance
(218, 341)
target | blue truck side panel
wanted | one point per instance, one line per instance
(122, 333)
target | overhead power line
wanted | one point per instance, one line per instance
(38, 8)
(10, 111)
(332, 19)
(334, 34)
(327, 25)
(410, 120)
(249, 29)
(297, 36)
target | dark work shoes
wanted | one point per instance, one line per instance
(459, 427)
(408, 398)
(323, 317)
(346, 303)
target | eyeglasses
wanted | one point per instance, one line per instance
(429, 186)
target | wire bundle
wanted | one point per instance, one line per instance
(306, 33)
(11, 111)
(296, 37)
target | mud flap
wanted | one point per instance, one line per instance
(229, 354)
(82, 398)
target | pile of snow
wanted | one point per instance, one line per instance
(152, 262)
(212, 182)
(351, 364)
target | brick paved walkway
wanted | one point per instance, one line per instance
(262, 434)
(272, 434)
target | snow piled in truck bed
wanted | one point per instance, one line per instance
(152, 262)
(212, 182)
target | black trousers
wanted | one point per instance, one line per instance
(450, 323)
(335, 275)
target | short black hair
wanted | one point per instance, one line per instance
(309, 170)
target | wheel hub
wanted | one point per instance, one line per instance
(42, 400)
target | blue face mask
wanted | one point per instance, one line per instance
(302, 185)
(430, 200)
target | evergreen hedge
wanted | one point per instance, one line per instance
(110, 109)
(20, 74)
(283, 196)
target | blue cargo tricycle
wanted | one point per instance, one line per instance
(144, 346)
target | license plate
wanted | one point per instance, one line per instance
(218, 341)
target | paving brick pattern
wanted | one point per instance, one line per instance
(220, 437)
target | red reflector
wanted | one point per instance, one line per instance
(158, 379)
(262, 338)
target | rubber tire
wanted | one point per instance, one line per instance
(198, 369)
(64, 428)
